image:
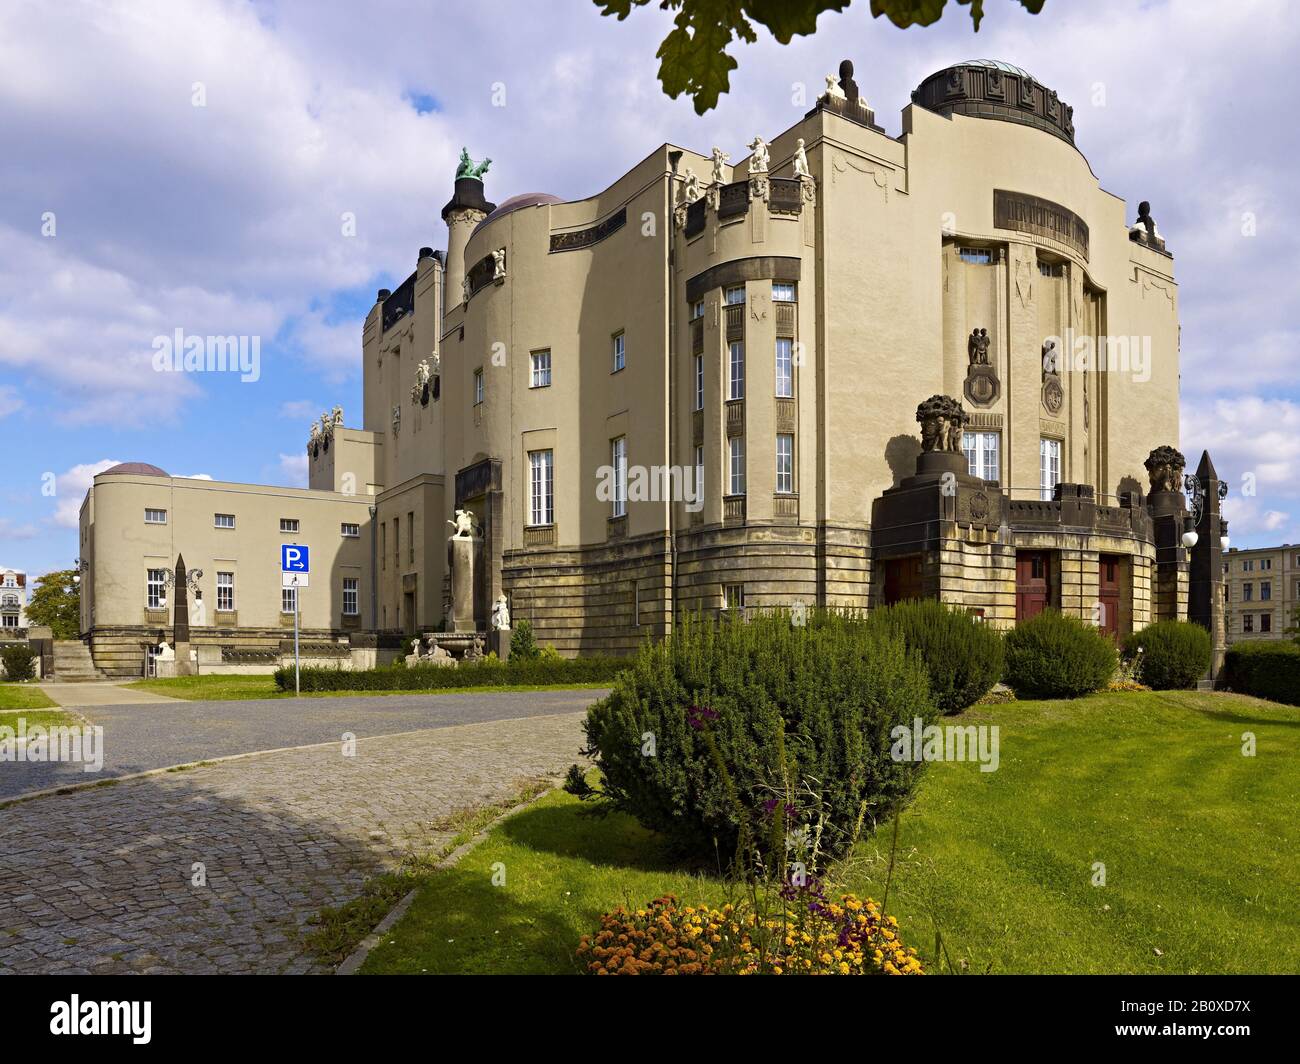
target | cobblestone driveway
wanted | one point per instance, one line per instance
(100, 880)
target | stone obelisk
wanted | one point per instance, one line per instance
(181, 620)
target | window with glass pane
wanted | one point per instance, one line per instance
(737, 465)
(976, 256)
(1049, 467)
(736, 388)
(288, 600)
(155, 517)
(736, 295)
(541, 370)
(982, 453)
(784, 368)
(620, 352)
(478, 387)
(288, 524)
(1265, 590)
(350, 596)
(785, 462)
(699, 474)
(697, 309)
(155, 589)
(782, 291)
(349, 529)
(225, 592)
(618, 459)
(541, 510)
(224, 520)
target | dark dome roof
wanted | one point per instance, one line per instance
(143, 469)
(514, 203)
(990, 88)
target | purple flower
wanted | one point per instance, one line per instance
(699, 716)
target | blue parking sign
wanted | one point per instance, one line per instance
(294, 558)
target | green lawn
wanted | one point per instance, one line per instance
(1200, 844)
(229, 688)
(24, 696)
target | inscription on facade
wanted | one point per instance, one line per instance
(1031, 214)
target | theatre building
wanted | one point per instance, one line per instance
(843, 369)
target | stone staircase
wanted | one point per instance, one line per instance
(73, 663)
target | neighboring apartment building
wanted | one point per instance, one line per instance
(13, 601)
(767, 333)
(1262, 588)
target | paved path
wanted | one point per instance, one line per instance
(79, 695)
(99, 880)
(138, 737)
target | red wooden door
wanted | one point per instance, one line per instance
(1108, 594)
(1033, 583)
(902, 580)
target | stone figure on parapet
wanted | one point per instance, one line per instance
(1165, 467)
(942, 419)
(833, 90)
(801, 160)
(469, 168)
(720, 158)
(463, 524)
(977, 347)
(758, 161)
(691, 190)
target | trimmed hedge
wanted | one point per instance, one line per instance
(487, 673)
(720, 723)
(1265, 670)
(1054, 656)
(963, 656)
(1175, 654)
(19, 662)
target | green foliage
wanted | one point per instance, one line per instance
(1054, 656)
(693, 57)
(726, 728)
(1265, 670)
(490, 672)
(1175, 654)
(19, 662)
(56, 603)
(523, 645)
(963, 656)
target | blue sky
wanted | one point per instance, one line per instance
(193, 164)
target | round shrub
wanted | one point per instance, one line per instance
(1174, 654)
(1054, 656)
(710, 733)
(19, 662)
(963, 656)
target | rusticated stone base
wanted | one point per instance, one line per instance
(120, 652)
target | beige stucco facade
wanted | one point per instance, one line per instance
(1262, 588)
(775, 322)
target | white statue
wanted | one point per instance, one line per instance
(165, 653)
(801, 160)
(466, 288)
(435, 363)
(691, 190)
(315, 431)
(833, 90)
(337, 417)
(759, 160)
(464, 525)
(422, 376)
(720, 158)
(501, 614)
(326, 425)
(499, 264)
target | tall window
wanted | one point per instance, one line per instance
(155, 517)
(1247, 622)
(410, 537)
(541, 377)
(982, 453)
(541, 494)
(785, 462)
(737, 485)
(1265, 590)
(1265, 622)
(699, 473)
(397, 542)
(155, 589)
(1248, 592)
(618, 459)
(478, 387)
(697, 309)
(782, 291)
(736, 295)
(288, 600)
(784, 368)
(225, 592)
(620, 351)
(736, 388)
(223, 520)
(699, 382)
(349, 596)
(1049, 467)
(383, 546)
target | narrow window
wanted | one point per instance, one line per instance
(155, 589)
(699, 382)
(785, 463)
(1049, 467)
(618, 459)
(541, 510)
(620, 352)
(288, 600)
(784, 368)
(737, 465)
(225, 592)
(736, 388)
(541, 376)
(478, 387)
(349, 596)
(982, 450)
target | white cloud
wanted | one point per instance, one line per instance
(194, 476)
(9, 401)
(299, 408)
(71, 488)
(293, 468)
(12, 530)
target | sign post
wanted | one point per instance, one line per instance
(295, 565)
